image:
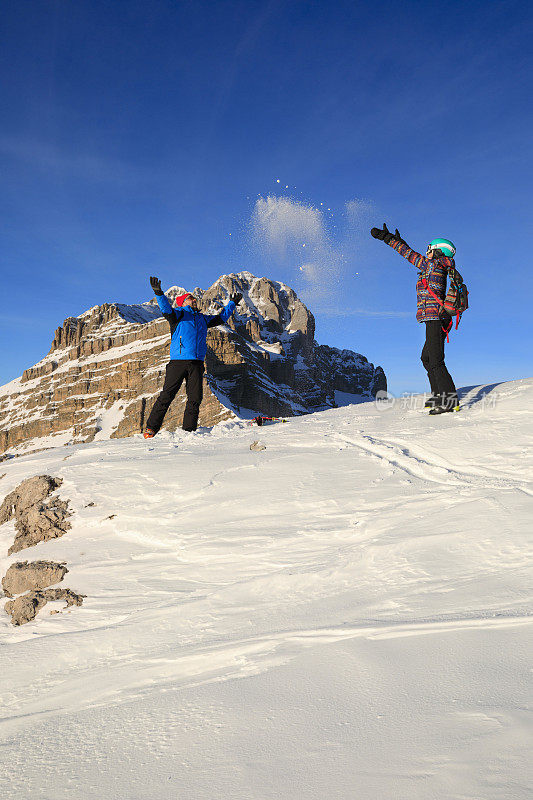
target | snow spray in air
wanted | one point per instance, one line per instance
(301, 236)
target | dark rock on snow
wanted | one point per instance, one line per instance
(36, 521)
(24, 608)
(24, 575)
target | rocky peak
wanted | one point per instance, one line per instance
(105, 367)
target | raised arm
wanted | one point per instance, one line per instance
(419, 261)
(162, 299)
(400, 245)
(225, 314)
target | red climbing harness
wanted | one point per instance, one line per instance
(455, 303)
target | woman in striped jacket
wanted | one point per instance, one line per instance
(430, 294)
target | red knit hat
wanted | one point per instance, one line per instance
(182, 297)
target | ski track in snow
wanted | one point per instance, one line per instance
(356, 532)
(418, 463)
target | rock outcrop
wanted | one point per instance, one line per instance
(35, 520)
(30, 575)
(106, 367)
(25, 608)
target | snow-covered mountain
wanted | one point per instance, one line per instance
(345, 613)
(106, 367)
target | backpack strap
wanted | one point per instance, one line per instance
(447, 331)
(430, 291)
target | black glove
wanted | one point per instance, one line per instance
(399, 238)
(385, 235)
(155, 283)
(236, 298)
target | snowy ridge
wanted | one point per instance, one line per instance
(348, 608)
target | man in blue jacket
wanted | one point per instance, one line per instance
(188, 346)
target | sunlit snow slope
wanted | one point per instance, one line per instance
(344, 614)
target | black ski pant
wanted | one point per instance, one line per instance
(178, 371)
(432, 358)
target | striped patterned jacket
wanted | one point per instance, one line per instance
(432, 270)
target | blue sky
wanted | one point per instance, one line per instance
(139, 138)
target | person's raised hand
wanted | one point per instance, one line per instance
(155, 283)
(382, 233)
(398, 236)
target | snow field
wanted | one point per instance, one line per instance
(346, 612)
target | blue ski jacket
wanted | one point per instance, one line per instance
(188, 328)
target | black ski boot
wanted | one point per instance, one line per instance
(432, 401)
(445, 404)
